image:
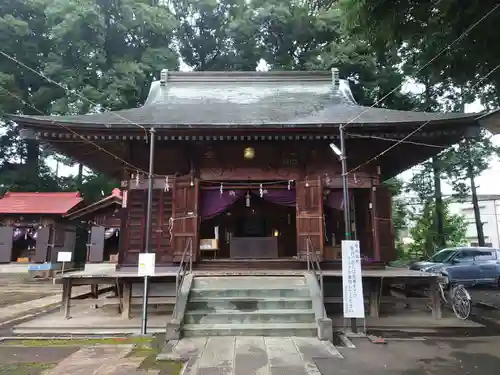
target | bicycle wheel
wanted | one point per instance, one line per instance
(460, 302)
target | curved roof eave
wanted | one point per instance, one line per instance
(190, 100)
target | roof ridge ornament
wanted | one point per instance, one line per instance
(335, 79)
(163, 77)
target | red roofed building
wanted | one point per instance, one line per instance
(34, 227)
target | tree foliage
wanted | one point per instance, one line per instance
(424, 234)
(477, 152)
(93, 55)
(439, 23)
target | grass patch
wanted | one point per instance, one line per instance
(150, 351)
(141, 341)
(25, 368)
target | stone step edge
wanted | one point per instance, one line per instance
(252, 299)
(256, 312)
(247, 326)
(251, 277)
(233, 288)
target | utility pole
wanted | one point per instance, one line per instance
(345, 193)
(148, 232)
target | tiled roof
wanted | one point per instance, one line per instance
(39, 203)
(248, 99)
(114, 198)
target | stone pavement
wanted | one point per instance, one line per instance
(20, 309)
(99, 360)
(249, 355)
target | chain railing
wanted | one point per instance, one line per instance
(182, 271)
(313, 265)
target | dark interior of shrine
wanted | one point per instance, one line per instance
(252, 228)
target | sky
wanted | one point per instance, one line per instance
(487, 183)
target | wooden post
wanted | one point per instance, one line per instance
(437, 312)
(126, 299)
(375, 227)
(94, 289)
(66, 297)
(375, 297)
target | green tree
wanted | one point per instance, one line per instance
(423, 233)
(105, 51)
(218, 34)
(401, 213)
(23, 34)
(439, 23)
(465, 162)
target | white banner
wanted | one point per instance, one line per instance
(352, 283)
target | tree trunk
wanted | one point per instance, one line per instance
(79, 179)
(475, 201)
(439, 208)
(32, 156)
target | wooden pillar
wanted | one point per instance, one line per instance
(126, 299)
(437, 312)
(122, 241)
(375, 227)
(94, 290)
(66, 297)
(374, 298)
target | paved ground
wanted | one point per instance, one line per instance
(458, 356)
(255, 356)
(249, 355)
(489, 296)
(18, 288)
(22, 298)
(105, 356)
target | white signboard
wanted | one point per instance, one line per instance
(64, 256)
(147, 262)
(352, 284)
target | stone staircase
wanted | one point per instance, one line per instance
(249, 306)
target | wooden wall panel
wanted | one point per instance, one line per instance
(185, 216)
(310, 217)
(133, 236)
(134, 231)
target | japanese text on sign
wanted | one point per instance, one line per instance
(352, 284)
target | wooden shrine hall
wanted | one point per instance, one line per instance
(244, 171)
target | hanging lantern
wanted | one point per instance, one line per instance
(249, 153)
(247, 200)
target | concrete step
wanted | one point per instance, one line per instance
(249, 317)
(248, 304)
(261, 329)
(254, 292)
(244, 282)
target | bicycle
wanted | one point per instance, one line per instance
(458, 297)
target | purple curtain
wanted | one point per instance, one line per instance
(335, 199)
(283, 197)
(214, 203)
